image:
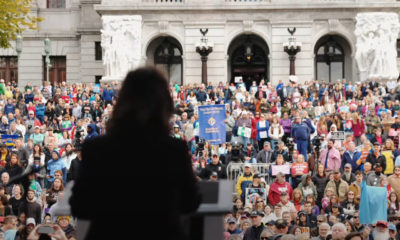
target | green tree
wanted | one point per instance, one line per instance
(14, 19)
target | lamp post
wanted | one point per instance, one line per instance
(18, 48)
(47, 49)
(204, 48)
(292, 48)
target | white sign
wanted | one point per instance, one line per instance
(238, 79)
(338, 135)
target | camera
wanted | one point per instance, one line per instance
(290, 146)
(317, 141)
(236, 149)
(200, 147)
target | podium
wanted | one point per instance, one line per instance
(208, 222)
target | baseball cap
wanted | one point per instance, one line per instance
(280, 223)
(347, 165)
(231, 220)
(382, 223)
(378, 165)
(271, 222)
(376, 144)
(247, 165)
(256, 213)
(30, 221)
(392, 227)
(247, 209)
(267, 144)
(301, 213)
(214, 174)
(256, 175)
(284, 193)
(336, 171)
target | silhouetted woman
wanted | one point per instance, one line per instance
(138, 158)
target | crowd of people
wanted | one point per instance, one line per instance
(292, 126)
(295, 126)
(42, 130)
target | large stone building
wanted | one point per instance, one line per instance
(248, 37)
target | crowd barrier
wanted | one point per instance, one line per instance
(234, 170)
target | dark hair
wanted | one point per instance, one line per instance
(144, 103)
(354, 234)
(358, 172)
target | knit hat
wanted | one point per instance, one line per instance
(58, 154)
(61, 217)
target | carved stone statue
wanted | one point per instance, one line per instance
(121, 43)
(376, 53)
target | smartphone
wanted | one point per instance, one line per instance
(45, 230)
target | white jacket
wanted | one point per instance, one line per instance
(275, 131)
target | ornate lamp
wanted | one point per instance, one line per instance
(292, 47)
(204, 48)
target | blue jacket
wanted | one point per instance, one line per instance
(301, 132)
(56, 164)
(348, 159)
(107, 95)
(309, 125)
(40, 109)
(9, 108)
(29, 98)
(93, 133)
(259, 129)
(201, 96)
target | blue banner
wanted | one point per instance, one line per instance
(211, 123)
(373, 205)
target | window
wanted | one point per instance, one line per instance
(330, 61)
(9, 68)
(55, 3)
(57, 70)
(168, 59)
(98, 51)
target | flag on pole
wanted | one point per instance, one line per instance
(373, 206)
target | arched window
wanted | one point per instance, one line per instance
(330, 60)
(248, 56)
(168, 58)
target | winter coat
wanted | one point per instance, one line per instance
(262, 129)
(341, 191)
(275, 132)
(334, 161)
(275, 192)
(242, 182)
(352, 159)
(306, 188)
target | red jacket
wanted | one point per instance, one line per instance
(254, 122)
(358, 128)
(275, 190)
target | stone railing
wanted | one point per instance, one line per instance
(247, 1)
(163, 1)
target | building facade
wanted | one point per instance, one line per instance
(248, 37)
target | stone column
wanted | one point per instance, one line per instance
(121, 42)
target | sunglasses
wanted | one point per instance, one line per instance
(264, 238)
